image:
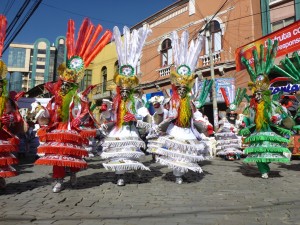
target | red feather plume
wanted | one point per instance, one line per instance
(3, 25)
(223, 91)
(86, 45)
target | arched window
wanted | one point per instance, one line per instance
(166, 52)
(104, 78)
(216, 37)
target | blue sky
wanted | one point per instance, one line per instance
(50, 19)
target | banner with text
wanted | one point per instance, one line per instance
(288, 41)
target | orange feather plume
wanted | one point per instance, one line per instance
(3, 25)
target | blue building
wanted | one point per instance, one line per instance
(30, 65)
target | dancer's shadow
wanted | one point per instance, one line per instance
(24, 164)
(143, 176)
(131, 177)
(189, 177)
(20, 187)
(252, 171)
(295, 167)
(94, 180)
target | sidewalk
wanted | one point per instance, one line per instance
(226, 193)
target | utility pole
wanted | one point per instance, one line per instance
(212, 72)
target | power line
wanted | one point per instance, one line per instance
(23, 23)
(17, 17)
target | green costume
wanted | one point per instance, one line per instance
(265, 116)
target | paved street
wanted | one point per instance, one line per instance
(226, 193)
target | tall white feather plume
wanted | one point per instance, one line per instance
(130, 48)
(184, 54)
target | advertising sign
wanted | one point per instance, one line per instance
(288, 41)
(227, 84)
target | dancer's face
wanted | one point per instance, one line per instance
(182, 91)
(258, 96)
(124, 94)
(65, 88)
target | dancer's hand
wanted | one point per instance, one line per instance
(129, 117)
(76, 122)
(7, 119)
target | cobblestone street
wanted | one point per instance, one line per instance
(226, 193)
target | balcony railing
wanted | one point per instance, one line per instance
(164, 71)
(103, 91)
(206, 60)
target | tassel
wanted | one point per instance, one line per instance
(7, 159)
(6, 174)
(57, 162)
(88, 133)
(59, 150)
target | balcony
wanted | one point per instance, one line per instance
(206, 60)
(103, 91)
(164, 71)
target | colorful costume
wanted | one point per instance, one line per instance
(180, 149)
(228, 142)
(11, 121)
(63, 138)
(265, 116)
(122, 146)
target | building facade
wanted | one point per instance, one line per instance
(30, 65)
(228, 24)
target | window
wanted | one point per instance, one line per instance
(216, 37)
(282, 23)
(87, 80)
(40, 67)
(104, 78)
(16, 57)
(116, 67)
(41, 51)
(41, 59)
(166, 53)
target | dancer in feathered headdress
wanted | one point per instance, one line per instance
(228, 143)
(266, 116)
(10, 119)
(179, 149)
(63, 138)
(122, 146)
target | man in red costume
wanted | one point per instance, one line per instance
(66, 135)
(10, 119)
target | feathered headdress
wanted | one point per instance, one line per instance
(3, 67)
(185, 58)
(201, 94)
(233, 103)
(129, 51)
(259, 77)
(290, 68)
(82, 51)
